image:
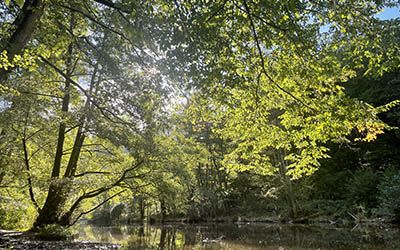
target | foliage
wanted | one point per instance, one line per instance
(202, 108)
(53, 232)
(274, 97)
(15, 214)
(361, 188)
(388, 197)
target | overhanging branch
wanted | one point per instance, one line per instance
(102, 110)
(101, 190)
(262, 61)
(95, 207)
(113, 6)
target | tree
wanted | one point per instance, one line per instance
(99, 108)
(96, 75)
(282, 89)
(276, 78)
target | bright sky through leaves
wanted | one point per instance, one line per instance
(389, 13)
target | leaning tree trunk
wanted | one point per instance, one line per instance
(56, 196)
(59, 190)
(23, 28)
(51, 211)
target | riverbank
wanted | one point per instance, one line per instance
(26, 240)
(317, 218)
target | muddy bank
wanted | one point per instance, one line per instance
(25, 240)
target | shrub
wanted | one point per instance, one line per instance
(362, 189)
(389, 193)
(15, 215)
(53, 232)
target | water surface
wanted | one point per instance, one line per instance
(245, 236)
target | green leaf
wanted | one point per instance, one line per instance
(19, 2)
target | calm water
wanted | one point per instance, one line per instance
(251, 237)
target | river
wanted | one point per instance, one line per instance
(244, 236)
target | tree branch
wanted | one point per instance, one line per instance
(270, 24)
(95, 207)
(38, 150)
(215, 13)
(113, 6)
(91, 172)
(102, 110)
(262, 61)
(39, 94)
(98, 191)
(27, 165)
(104, 26)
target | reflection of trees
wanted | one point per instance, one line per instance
(190, 238)
(167, 238)
(141, 230)
(258, 237)
(261, 236)
(116, 233)
(162, 238)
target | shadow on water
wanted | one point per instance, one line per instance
(235, 237)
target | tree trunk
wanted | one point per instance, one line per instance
(163, 211)
(51, 211)
(76, 150)
(80, 135)
(58, 191)
(24, 25)
(142, 207)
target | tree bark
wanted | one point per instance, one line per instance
(163, 208)
(142, 207)
(24, 25)
(76, 150)
(80, 135)
(57, 193)
(64, 109)
(161, 245)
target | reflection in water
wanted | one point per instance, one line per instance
(239, 237)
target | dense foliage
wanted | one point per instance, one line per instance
(197, 109)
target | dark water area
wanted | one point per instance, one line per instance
(245, 236)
